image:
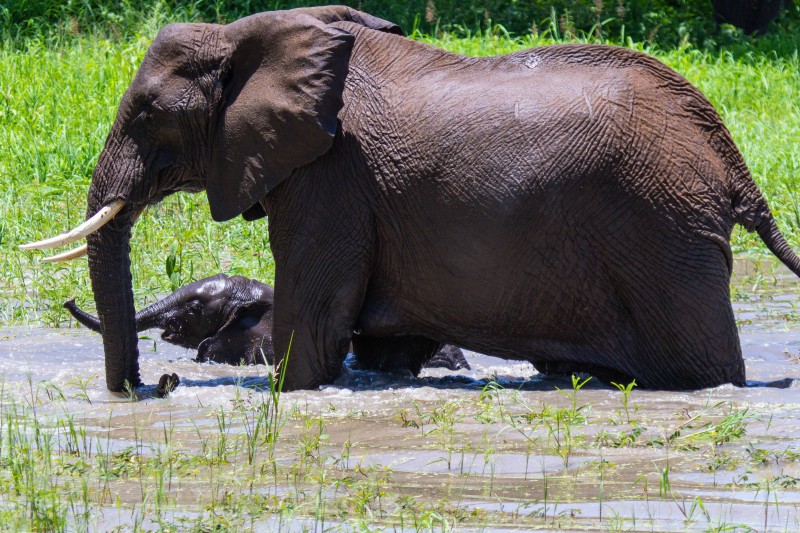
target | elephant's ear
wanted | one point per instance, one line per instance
(237, 338)
(254, 212)
(329, 14)
(282, 94)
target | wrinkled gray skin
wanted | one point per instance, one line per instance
(229, 320)
(569, 205)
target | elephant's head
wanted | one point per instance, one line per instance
(219, 316)
(192, 313)
(230, 109)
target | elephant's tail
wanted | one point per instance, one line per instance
(772, 237)
(82, 316)
(750, 209)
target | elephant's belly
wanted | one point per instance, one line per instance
(557, 351)
(519, 322)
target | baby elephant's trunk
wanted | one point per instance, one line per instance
(145, 319)
(91, 322)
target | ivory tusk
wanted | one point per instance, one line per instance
(100, 219)
(80, 251)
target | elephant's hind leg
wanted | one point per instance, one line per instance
(685, 329)
(404, 352)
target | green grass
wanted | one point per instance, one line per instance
(666, 23)
(57, 104)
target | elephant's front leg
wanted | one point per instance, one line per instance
(312, 330)
(323, 253)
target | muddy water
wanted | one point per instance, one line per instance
(494, 448)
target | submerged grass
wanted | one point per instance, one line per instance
(57, 104)
(258, 459)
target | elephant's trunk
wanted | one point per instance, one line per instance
(109, 269)
(153, 315)
(93, 323)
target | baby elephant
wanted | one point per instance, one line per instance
(228, 319)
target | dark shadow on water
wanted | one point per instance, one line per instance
(363, 380)
(256, 383)
(370, 380)
(356, 379)
(785, 383)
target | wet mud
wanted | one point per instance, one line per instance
(495, 448)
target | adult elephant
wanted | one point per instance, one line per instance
(569, 205)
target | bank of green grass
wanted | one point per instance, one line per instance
(57, 104)
(662, 22)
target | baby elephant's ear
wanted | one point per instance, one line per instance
(239, 338)
(283, 92)
(219, 349)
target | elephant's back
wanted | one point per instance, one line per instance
(575, 136)
(541, 127)
(666, 114)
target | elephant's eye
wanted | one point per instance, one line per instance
(150, 108)
(142, 118)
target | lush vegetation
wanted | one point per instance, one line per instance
(64, 65)
(65, 460)
(666, 22)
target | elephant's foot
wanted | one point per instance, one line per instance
(309, 360)
(167, 384)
